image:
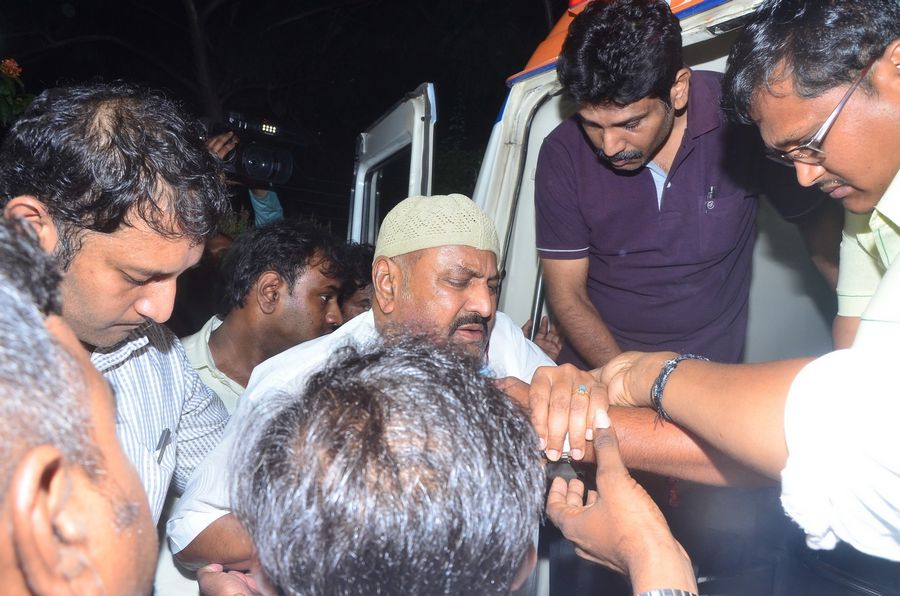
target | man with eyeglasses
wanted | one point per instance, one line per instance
(821, 80)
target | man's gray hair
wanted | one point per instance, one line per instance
(41, 385)
(400, 469)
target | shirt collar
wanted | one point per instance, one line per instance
(888, 206)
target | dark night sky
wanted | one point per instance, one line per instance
(323, 69)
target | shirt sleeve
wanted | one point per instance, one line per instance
(203, 420)
(561, 230)
(206, 497)
(859, 274)
(511, 354)
(842, 475)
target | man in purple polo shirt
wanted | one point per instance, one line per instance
(646, 204)
(646, 198)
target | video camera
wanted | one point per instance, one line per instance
(258, 159)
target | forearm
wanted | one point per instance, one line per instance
(737, 409)
(663, 448)
(584, 329)
(224, 541)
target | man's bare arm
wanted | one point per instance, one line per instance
(582, 325)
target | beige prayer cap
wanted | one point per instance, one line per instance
(428, 222)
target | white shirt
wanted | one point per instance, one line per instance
(207, 498)
(167, 420)
(196, 347)
(842, 477)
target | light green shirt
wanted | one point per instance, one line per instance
(196, 347)
(870, 244)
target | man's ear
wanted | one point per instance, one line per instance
(886, 78)
(385, 283)
(33, 211)
(49, 530)
(525, 568)
(679, 93)
(268, 291)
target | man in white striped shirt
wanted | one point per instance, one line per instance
(120, 188)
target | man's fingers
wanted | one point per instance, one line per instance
(539, 400)
(561, 394)
(591, 498)
(575, 496)
(544, 327)
(526, 328)
(556, 500)
(606, 447)
(578, 421)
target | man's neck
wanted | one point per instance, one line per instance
(235, 348)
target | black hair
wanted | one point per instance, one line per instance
(398, 469)
(285, 247)
(357, 264)
(621, 51)
(105, 155)
(820, 44)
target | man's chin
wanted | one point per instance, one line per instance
(473, 346)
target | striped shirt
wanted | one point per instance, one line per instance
(167, 419)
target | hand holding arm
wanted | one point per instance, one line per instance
(707, 399)
(620, 526)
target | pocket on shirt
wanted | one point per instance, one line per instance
(725, 222)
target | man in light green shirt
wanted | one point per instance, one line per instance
(280, 288)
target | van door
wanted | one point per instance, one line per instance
(393, 161)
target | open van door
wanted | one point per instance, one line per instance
(393, 161)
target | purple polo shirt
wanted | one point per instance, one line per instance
(676, 277)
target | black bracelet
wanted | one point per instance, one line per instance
(656, 392)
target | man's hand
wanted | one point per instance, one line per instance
(215, 581)
(620, 527)
(222, 144)
(562, 401)
(629, 377)
(546, 338)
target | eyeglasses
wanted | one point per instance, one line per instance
(811, 153)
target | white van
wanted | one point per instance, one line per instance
(791, 307)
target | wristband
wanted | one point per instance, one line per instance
(656, 392)
(667, 592)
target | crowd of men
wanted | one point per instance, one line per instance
(357, 420)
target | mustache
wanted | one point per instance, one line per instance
(622, 155)
(472, 319)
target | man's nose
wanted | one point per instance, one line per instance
(333, 316)
(808, 174)
(612, 143)
(157, 301)
(481, 300)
